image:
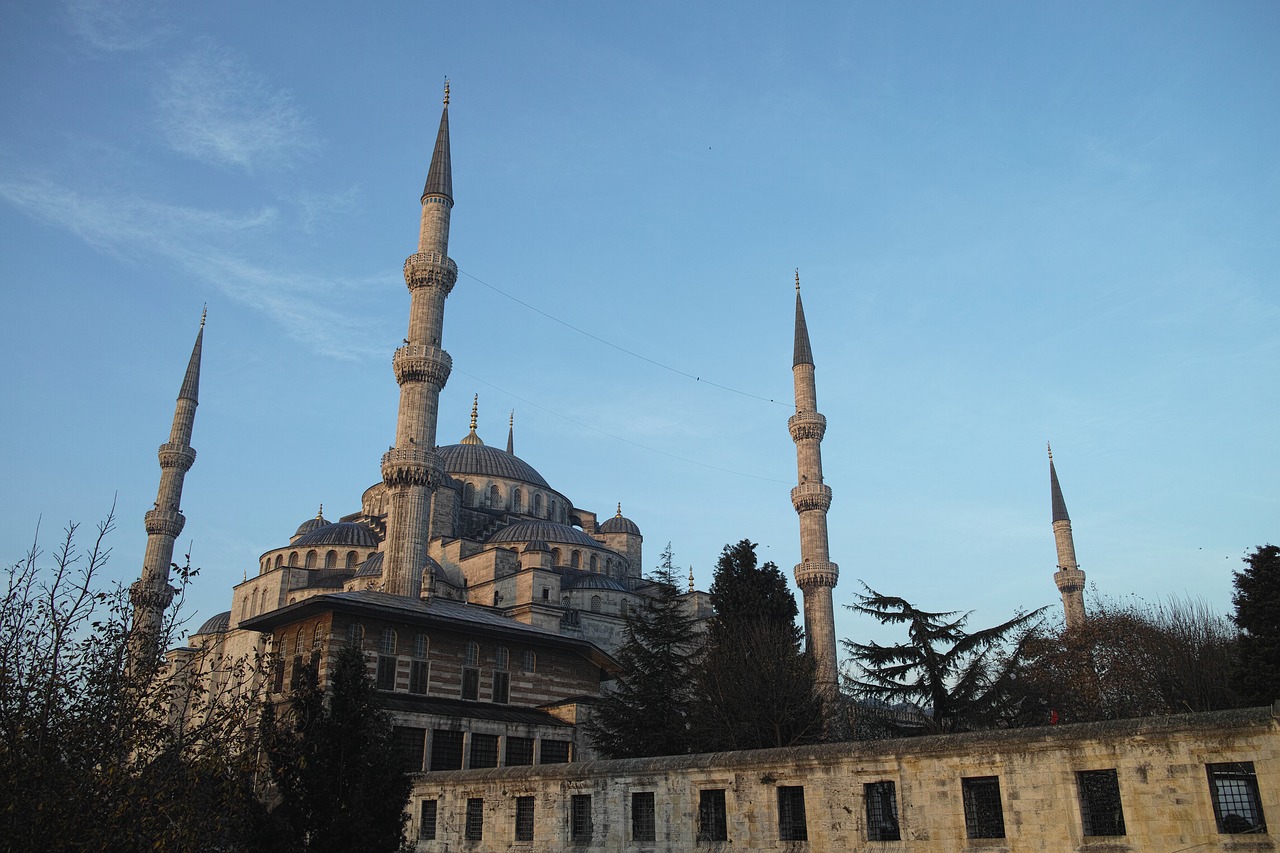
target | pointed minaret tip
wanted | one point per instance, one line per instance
(440, 175)
(511, 433)
(446, 91)
(797, 279)
(191, 381)
(803, 351)
(1055, 493)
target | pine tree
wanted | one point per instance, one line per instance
(756, 686)
(649, 709)
(1257, 601)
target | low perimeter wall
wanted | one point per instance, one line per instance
(1202, 782)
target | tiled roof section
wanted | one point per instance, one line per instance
(339, 533)
(546, 531)
(311, 524)
(440, 175)
(191, 382)
(591, 580)
(454, 708)
(330, 579)
(803, 352)
(484, 461)
(372, 567)
(620, 524)
(1059, 505)
(216, 624)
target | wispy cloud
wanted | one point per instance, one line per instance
(189, 238)
(217, 109)
(117, 25)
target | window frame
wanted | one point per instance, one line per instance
(792, 824)
(644, 816)
(1244, 779)
(580, 828)
(876, 795)
(473, 822)
(427, 811)
(525, 810)
(976, 791)
(713, 815)
(1099, 793)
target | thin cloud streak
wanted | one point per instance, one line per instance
(117, 26)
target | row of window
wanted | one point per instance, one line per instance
(1233, 788)
(519, 504)
(312, 560)
(420, 667)
(448, 748)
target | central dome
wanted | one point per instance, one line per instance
(480, 460)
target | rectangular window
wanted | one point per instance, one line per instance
(524, 818)
(519, 751)
(501, 687)
(791, 823)
(983, 815)
(427, 823)
(713, 823)
(643, 819)
(1100, 812)
(295, 676)
(409, 744)
(580, 817)
(882, 811)
(554, 752)
(419, 673)
(386, 679)
(473, 828)
(484, 751)
(277, 676)
(446, 750)
(1237, 806)
(470, 683)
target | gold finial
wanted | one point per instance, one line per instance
(797, 279)
(691, 577)
(1050, 446)
(511, 420)
(619, 509)
(475, 405)
(446, 91)
(320, 511)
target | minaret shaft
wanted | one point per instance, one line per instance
(1069, 578)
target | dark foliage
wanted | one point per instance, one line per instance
(649, 709)
(1257, 602)
(333, 762)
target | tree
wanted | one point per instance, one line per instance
(756, 685)
(1257, 602)
(333, 760)
(1128, 659)
(960, 679)
(91, 756)
(650, 708)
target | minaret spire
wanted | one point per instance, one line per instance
(816, 575)
(151, 594)
(411, 469)
(511, 433)
(1068, 577)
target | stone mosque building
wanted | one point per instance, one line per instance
(489, 606)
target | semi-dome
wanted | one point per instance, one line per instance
(546, 531)
(480, 460)
(218, 623)
(620, 524)
(372, 567)
(536, 545)
(312, 523)
(340, 533)
(591, 580)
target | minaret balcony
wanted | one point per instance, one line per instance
(430, 269)
(816, 573)
(419, 363)
(143, 596)
(164, 522)
(177, 456)
(409, 466)
(1069, 580)
(811, 496)
(807, 426)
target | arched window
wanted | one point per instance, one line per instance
(388, 644)
(530, 663)
(355, 635)
(352, 559)
(421, 645)
(501, 658)
(331, 560)
(555, 557)
(279, 560)
(317, 639)
(311, 559)
(293, 558)
(473, 653)
(537, 503)
(564, 601)
(625, 609)
(575, 559)
(553, 511)
(515, 500)
(595, 604)
(253, 609)
(595, 565)
(495, 496)
(468, 494)
(295, 677)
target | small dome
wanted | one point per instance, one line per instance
(372, 567)
(536, 545)
(591, 580)
(312, 523)
(339, 533)
(620, 524)
(542, 531)
(219, 623)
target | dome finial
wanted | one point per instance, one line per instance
(691, 577)
(471, 437)
(203, 314)
(797, 279)
(619, 509)
(1050, 446)
(320, 511)
(446, 91)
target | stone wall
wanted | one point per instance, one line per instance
(1032, 775)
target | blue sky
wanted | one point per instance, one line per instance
(1015, 223)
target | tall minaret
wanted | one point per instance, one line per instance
(151, 593)
(1068, 577)
(815, 574)
(411, 469)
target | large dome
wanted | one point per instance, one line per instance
(340, 533)
(546, 531)
(311, 524)
(479, 460)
